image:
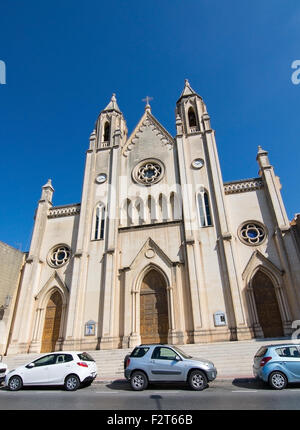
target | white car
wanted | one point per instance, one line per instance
(70, 369)
(3, 370)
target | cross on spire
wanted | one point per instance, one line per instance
(147, 99)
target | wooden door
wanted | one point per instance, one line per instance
(154, 323)
(267, 306)
(52, 323)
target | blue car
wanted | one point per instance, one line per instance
(278, 364)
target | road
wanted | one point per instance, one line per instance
(227, 395)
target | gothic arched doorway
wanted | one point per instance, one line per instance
(154, 323)
(52, 323)
(266, 305)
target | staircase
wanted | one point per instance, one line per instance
(232, 359)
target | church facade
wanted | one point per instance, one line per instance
(159, 249)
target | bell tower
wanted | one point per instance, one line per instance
(97, 229)
(206, 222)
(110, 126)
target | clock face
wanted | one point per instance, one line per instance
(198, 163)
(101, 178)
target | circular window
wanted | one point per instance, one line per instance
(59, 256)
(252, 233)
(148, 172)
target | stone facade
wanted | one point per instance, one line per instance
(159, 248)
(11, 264)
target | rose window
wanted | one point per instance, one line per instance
(148, 172)
(252, 233)
(59, 256)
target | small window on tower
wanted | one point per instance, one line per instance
(106, 132)
(192, 118)
(99, 222)
(204, 210)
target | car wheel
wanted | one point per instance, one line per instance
(15, 383)
(72, 383)
(278, 380)
(197, 380)
(138, 381)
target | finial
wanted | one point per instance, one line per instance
(147, 99)
(49, 183)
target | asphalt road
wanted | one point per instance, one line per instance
(228, 395)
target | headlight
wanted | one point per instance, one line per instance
(208, 364)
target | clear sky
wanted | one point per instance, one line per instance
(64, 59)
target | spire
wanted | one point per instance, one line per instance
(187, 90)
(112, 105)
(47, 192)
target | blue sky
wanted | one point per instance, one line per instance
(65, 58)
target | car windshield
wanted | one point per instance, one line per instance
(85, 356)
(183, 354)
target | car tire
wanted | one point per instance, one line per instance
(138, 381)
(72, 383)
(278, 380)
(197, 380)
(15, 383)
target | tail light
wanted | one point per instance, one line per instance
(265, 360)
(82, 364)
(127, 362)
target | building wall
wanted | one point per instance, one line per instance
(11, 264)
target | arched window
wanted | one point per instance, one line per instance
(106, 132)
(151, 207)
(176, 208)
(204, 209)
(99, 222)
(192, 118)
(163, 207)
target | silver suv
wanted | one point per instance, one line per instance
(166, 363)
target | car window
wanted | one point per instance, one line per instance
(261, 351)
(288, 351)
(45, 361)
(63, 358)
(139, 352)
(85, 356)
(163, 353)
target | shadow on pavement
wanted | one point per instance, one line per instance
(125, 386)
(257, 384)
(251, 383)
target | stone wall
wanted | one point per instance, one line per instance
(11, 263)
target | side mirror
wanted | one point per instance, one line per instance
(30, 365)
(177, 358)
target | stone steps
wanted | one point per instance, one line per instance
(230, 358)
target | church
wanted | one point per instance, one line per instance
(159, 249)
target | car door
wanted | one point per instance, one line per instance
(60, 368)
(37, 372)
(291, 361)
(166, 365)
